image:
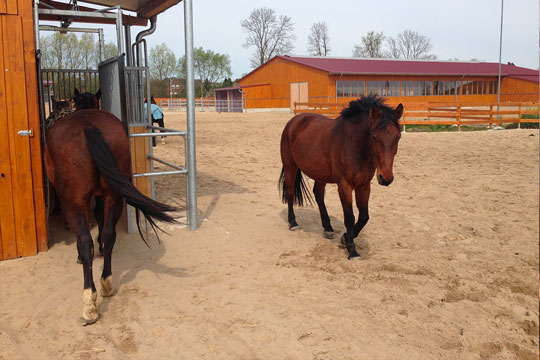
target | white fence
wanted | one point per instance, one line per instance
(202, 105)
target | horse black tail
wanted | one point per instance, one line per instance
(120, 183)
(301, 192)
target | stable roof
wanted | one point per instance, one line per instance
(143, 9)
(354, 66)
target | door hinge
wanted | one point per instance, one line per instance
(26, 133)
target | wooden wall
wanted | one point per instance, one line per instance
(23, 229)
(280, 73)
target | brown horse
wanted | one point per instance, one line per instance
(345, 151)
(87, 155)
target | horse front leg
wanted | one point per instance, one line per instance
(345, 195)
(318, 190)
(362, 198)
(78, 222)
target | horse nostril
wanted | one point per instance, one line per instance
(385, 182)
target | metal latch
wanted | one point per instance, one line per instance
(26, 133)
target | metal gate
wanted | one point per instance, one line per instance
(129, 86)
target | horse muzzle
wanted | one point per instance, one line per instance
(383, 181)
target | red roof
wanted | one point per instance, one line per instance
(337, 66)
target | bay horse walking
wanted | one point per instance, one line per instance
(345, 151)
(86, 155)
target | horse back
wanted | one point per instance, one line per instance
(306, 142)
(66, 153)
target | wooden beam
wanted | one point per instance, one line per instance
(155, 7)
(126, 19)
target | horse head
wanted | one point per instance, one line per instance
(60, 105)
(86, 100)
(384, 138)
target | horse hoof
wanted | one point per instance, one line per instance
(294, 228)
(90, 314)
(79, 260)
(329, 234)
(354, 256)
(107, 288)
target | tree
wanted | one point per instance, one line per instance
(163, 66)
(410, 45)
(271, 36)
(371, 46)
(209, 66)
(318, 40)
(89, 54)
(110, 50)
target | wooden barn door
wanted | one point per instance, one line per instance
(22, 211)
(299, 93)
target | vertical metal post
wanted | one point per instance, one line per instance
(127, 31)
(500, 54)
(119, 38)
(101, 45)
(193, 223)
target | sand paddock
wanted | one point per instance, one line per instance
(450, 267)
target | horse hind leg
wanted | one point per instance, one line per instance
(99, 215)
(78, 222)
(319, 190)
(112, 212)
(287, 179)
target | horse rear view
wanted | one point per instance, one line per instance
(345, 151)
(87, 155)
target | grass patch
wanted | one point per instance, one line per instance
(441, 128)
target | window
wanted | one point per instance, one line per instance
(354, 88)
(361, 87)
(425, 87)
(346, 88)
(339, 88)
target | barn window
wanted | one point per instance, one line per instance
(425, 87)
(346, 88)
(395, 88)
(354, 88)
(373, 87)
(361, 87)
(339, 88)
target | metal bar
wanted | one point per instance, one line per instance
(192, 210)
(76, 13)
(500, 53)
(161, 173)
(166, 129)
(120, 38)
(166, 163)
(101, 45)
(69, 29)
(154, 134)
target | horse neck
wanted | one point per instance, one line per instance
(355, 136)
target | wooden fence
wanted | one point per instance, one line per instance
(443, 113)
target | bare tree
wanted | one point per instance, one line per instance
(318, 40)
(270, 36)
(371, 46)
(410, 45)
(210, 67)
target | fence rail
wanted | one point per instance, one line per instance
(179, 104)
(441, 113)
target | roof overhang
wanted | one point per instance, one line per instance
(144, 9)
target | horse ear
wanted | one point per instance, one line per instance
(98, 94)
(399, 111)
(76, 92)
(375, 112)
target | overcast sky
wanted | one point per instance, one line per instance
(463, 29)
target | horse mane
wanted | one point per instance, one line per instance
(362, 106)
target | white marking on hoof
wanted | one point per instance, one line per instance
(90, 313)
(294, 228)
(329, 234)
(107, 288)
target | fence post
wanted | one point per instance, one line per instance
(519, 116)
(458, 117)
(490, 117)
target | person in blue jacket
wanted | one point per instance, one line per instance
(157, 116)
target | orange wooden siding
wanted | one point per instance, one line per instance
(280, 73)
(140, 148)
(22, 211)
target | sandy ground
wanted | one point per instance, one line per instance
(450, 267)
